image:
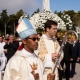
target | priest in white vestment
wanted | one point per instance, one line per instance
(48, 49)
(25, 64)
(3, 59)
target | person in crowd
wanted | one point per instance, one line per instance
(48, 48)
(10, 47)
(2, 55)
(33, 66)
(6, 39)
(25, 64)
(60, 43)
(19, 40)
(76, 52)
(79, 51)
(1, 44)
(57, 39)
(68, 50)
(39, 35)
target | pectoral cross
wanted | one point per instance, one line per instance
(34, 66)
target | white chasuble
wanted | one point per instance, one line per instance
(46, 47)
(3, 59)
(19, 66)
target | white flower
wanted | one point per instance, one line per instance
(67, 19)
(39, 19)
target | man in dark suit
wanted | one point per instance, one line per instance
(11, 46)
(79, 51)
(76, 53)
(67, 49)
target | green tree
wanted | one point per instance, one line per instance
(1, 27)
(37, 11)
(3, 20)
(78, 22)
(19, 14)
(55, 12)
(12, 22)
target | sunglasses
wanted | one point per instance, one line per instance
(34, 39)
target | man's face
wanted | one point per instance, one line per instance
(32, 42)
(11, 38)
(74, 38)
(52, 31)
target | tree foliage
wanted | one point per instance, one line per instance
(3, 20)
(75, 17)
(12, 20)
(9, 21)
(37, 11)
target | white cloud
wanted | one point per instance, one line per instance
(12, 6)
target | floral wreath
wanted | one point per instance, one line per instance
(40, 18)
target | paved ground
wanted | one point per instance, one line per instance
(77, 76)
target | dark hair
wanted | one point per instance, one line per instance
(7, 39)
(48, 24)
(40, 34)
(2, 37)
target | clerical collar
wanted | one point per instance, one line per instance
(45, 36)
(28, 53)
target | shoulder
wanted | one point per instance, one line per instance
(16, 42)
(16, 58)
(3, 43)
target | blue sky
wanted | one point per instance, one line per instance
(61, 5)
(29, 6)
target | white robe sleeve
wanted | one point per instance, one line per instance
(3, 60)
(48, 61)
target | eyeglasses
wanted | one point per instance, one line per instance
(34, 39)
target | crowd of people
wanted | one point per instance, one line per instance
(71, 52)
(33, 56)
(8, 47)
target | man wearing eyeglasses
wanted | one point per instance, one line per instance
(48, 49)
(25, 64)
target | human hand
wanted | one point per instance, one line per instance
(51, 76)
(10, 41)
(36, 75)
(5, 50)
(71, 59)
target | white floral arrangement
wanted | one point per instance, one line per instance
(66, 18)
(40, 18)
